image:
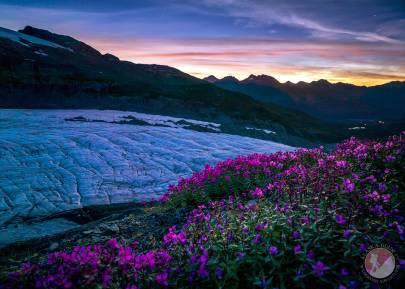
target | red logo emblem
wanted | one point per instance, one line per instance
(380, 263)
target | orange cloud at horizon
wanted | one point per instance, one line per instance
(356, 63)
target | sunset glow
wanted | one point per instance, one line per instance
(291, 42)
(284, 60)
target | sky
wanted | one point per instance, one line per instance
(356, 41)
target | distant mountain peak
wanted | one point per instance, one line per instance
(230, 79)
(251, 77)
(322, 82)
(40, 33)
(261, 79)
(211, 79)
(111, 57)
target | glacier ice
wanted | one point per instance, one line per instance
(49, 165)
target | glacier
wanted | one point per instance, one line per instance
(49, 164)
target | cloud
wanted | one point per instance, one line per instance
(270, 13)
(293, 60)
(358, 35)
(291, 40)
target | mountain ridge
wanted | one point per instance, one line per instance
(67, 73)
(323, 99)
(253, 77)
(38, 76)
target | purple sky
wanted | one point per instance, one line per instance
(356, 41)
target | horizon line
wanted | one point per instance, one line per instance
(368, 81)
(289, 81)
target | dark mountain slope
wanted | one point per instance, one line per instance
(40, 69)
(264, 91)
(326, 100)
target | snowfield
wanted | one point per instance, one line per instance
(25, 39)
(49, 164)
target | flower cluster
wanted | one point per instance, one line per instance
(297, 219)
(111, 265)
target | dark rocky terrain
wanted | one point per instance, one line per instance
(129, 221)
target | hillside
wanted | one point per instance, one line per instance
(40, 69)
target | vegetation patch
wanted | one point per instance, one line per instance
(297, 219)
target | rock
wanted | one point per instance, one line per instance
(251, 203)
(98, 240)
(53, 246)
(110, 227)
(93, 231)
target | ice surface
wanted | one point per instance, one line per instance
(24, 232)
(49, 165)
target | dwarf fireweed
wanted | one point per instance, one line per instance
(298, 219)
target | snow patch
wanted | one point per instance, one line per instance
(24, 38)
(357, 128)
(260, 129)
(41, 53)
